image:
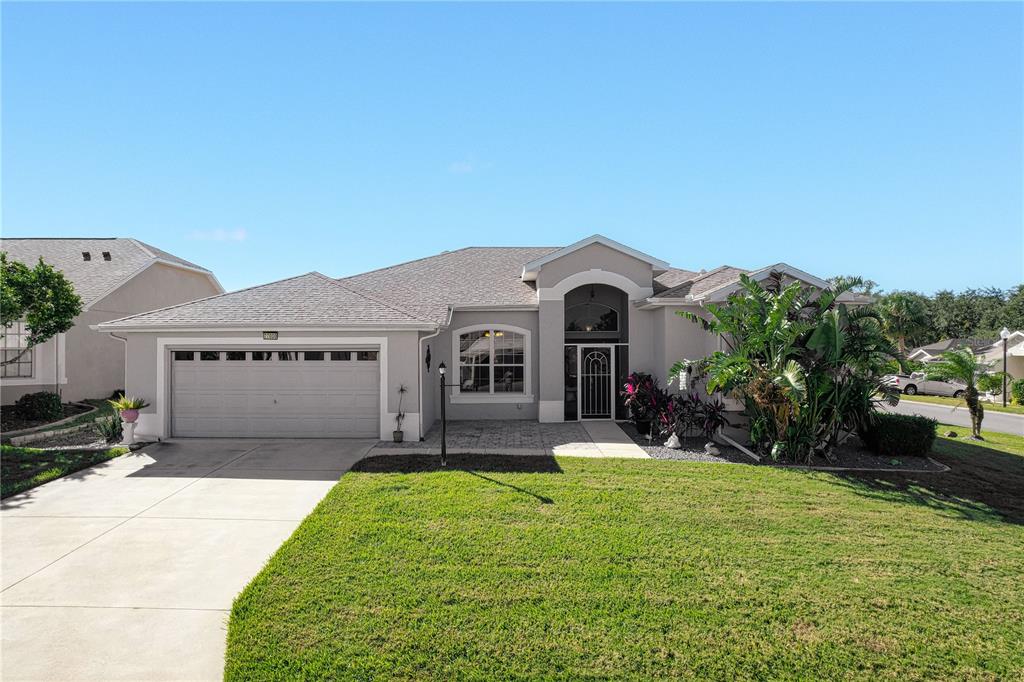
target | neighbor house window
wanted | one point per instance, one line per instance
(492, 361)
(15, 340)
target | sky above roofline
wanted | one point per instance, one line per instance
(879, 139)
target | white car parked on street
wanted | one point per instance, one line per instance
(918, 382)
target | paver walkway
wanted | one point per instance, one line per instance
(522, 437)
(127, 570)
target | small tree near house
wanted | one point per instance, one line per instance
(40, 296)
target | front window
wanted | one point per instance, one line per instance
(14, 342)
(492, 361)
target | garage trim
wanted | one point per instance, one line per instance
(159, 423)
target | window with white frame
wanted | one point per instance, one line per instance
(14, 342)
(492, 361)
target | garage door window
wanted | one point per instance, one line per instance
(286, 356)
(209, 355)
(313, 355)
(340, 355)
(261, 355)
(184, 356)
(235, 355)
(366, 355)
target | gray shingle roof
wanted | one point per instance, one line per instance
(96, 277)
(940, 347)
(307, 300)
(704, 282)
(672, 277)
(470, 276)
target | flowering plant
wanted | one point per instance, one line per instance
(645, 400)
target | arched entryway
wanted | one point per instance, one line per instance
(596, 338)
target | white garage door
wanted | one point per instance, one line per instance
(269, 394)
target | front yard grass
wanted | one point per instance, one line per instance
(537, 568)
(958, 402)
(25, 468)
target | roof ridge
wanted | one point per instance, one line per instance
(208, 298)
(142, 247)
(372, 297)
(438, 255)
(408, 262)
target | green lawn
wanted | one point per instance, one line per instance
(958, 402)
(24, 468)
(536, 568)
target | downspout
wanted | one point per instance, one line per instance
(419, 358)
(124, 379)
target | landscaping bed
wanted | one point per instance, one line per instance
(78, 438)
(692, 450)
(11, 419)
(25, 468)
(573, 568)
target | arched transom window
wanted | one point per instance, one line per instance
(591, 317)
(493, 362)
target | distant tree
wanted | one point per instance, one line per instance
(41, 297)
(856, 284)
(904, 317)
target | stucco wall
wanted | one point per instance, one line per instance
(680, 339)
(442, 346)
(94, 362)
(144, 363)
(46, 364)
(591, 257)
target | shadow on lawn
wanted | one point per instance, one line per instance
(981, 480)
(471, 464)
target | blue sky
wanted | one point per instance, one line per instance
(266, 140)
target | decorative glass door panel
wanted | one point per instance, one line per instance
(596, 374)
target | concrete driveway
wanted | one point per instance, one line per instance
(127, 570)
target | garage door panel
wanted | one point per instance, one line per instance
(275, 398)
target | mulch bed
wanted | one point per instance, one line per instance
(82, 438)
(853, 455)
(12, 420)
(850, 455)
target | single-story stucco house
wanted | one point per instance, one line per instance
(114, 277)
(933, 351)
(542, 333)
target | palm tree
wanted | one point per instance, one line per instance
(961, 365)
(904, 317)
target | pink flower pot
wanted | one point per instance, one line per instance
(129, 416)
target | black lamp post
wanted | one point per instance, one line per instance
(1005, 336)
(441, 369)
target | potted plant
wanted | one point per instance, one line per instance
(400, 417)
(128, 408)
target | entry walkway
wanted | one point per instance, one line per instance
(520, 437)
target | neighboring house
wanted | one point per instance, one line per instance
(114, 277)
(543, 334)
(1014, 355)
(934, 351)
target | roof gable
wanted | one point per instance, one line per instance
(531, 269)
(97, 277)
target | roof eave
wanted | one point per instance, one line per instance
(263, 326)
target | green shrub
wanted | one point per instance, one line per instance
(900, 435)
(109, 428)
(1017, 391)
(44, 406)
